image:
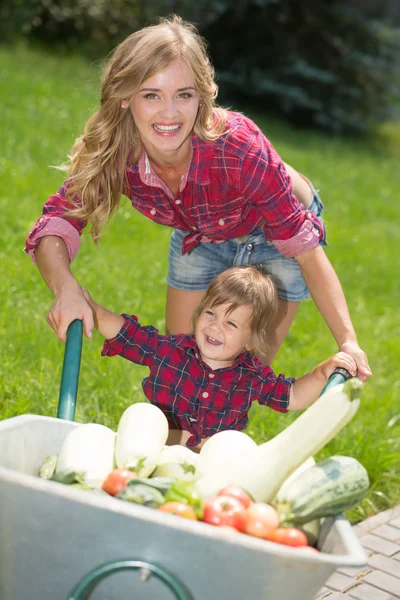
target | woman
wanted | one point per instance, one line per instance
(208, 173)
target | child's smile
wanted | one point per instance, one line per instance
(222, 335)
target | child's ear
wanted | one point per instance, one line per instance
(249, 346)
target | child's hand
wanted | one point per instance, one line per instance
(88, 298)
(341, 359)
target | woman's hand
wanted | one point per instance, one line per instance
(67, 307)
(360, 358)
(341, 359)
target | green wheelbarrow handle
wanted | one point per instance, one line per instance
(338, 376)
(70, 372)
(86, 586)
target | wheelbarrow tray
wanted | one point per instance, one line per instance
(52, 535)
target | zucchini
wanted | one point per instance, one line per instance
(330, 487)
(262, 470)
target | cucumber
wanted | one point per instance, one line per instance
(330, 487)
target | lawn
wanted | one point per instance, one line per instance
(45, 100)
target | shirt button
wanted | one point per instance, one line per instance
(211, 375)
(221, 222)
(205, 394)
(178, 201)
(196, 355)
(153, 211)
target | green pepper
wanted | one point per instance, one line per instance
(159, 483)
(69, 477)
(186, 492)
(48, 468)
(142, 494)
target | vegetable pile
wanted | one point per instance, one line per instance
(274, 491)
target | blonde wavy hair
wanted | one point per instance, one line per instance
(110, 138)
(245, 286)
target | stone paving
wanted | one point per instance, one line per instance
(380, 578)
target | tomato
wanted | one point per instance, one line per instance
(261, 519)
(117, 480)
(236, 492)
(289, 537)
(180, 509)
(225, 510)
(310, 549)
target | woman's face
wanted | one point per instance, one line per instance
(165, 109)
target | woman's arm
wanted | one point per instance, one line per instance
(69, 303)
(326, 291)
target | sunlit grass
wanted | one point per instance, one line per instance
(45, 100)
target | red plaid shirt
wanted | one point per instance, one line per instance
(192, 396)
(233, 185)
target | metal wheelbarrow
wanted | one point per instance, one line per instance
(61, 543)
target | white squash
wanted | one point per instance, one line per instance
(224, 446)
(142, 433)
(88, 449)
(310, 462)
(179, 462)
(262, 470)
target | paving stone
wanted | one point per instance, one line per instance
(367, 592)
(375, 521)
(396, 556)
(354, 572)
(383, 563)
(339, 582)
(383, 581)
(379, 545)
(324, 593)
(388, 532)
(395, 522)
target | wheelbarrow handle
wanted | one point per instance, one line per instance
(70, 372)
(339, 375)
(86, 586)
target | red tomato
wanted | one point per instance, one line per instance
(261, 519)
(289, 537)
(178, 508)
(236, 492)
(225, 510)
(117, 480)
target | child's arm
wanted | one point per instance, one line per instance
(106, 322)
(306, 389)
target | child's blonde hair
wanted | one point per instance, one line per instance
(245, 286)
(111, 139)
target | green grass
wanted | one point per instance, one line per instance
(45, 101)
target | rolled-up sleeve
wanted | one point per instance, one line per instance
(267, 186)
(54, 222)
(274, 390)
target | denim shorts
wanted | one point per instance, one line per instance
(194, 271)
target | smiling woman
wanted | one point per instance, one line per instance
(210, 174)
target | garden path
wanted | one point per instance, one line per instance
(380, 579)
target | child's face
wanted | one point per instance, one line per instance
(221, 337)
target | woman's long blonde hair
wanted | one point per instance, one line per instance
(110, 138)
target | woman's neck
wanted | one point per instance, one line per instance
(168, 161)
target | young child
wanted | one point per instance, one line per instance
(206, 382)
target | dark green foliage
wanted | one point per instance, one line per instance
(321, 63)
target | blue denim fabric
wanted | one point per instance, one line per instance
(195, 270)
